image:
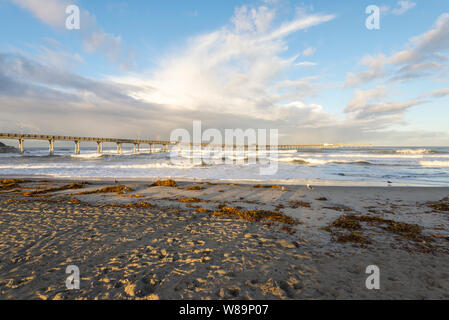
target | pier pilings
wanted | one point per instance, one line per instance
(77, 147)
(51, 147)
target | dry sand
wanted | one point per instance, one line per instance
(181, 250)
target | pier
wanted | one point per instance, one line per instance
(77, 141)
(153, 143)
(276, 147)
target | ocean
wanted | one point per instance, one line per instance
(402, 166)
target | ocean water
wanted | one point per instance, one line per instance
(418, 166)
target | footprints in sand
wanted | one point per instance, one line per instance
(136, 256)
(155, 247)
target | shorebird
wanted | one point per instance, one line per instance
(309, 187)
(115, 181)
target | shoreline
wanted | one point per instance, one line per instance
(201, 240)
(295, 182)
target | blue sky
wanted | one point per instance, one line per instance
(311, 69)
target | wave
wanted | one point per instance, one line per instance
(415, 151)
(186, 165)
(399, 151)
(310, 161)
(105, 155)
(89, 156)
(436, 164)
(376, 156)
(58, 166)
(299, 161)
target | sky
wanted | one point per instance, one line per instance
(311, 69)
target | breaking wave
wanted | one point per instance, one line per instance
(311, 161)
(415, 151)
(435, 164)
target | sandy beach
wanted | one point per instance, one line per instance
(137, 240)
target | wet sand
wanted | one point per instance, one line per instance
(133, 240)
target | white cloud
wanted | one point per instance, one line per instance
(301, 23)
(435, 39)
(46, 99)
(404, 6)
(376, 70)
(53, 13)
(361, 98)
(369, 104)
(231, 77)
(107, 43)
(421, 58)
(236, 69)
(308, 52)
(255, 20)
(440, 93)
(418, 70)
(305, 64)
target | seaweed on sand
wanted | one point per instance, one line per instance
(297, 204)
(9, 181)
(121, 189)
(165, 183)
(405, 230)
(76, 185)
(254, 215)
(142, 204)
(136, 196)
(194, 188)
(259, 186)
(7, 184)
(340, 208)
(354, 238)
(189, 200)
(289, 230)
(442, 205)
(347, 222)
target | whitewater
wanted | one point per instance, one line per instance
(401, 166)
